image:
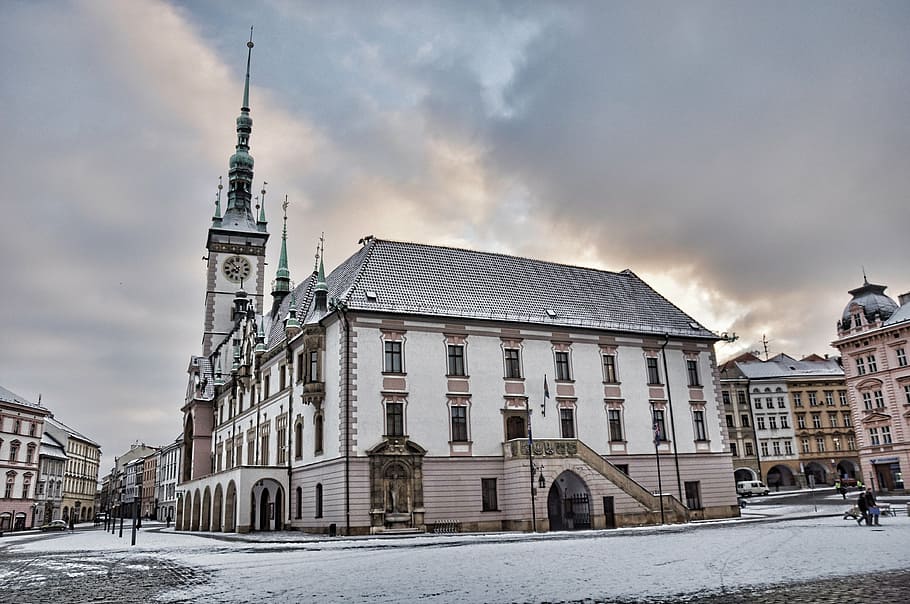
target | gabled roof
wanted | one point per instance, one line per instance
(429, 280)
(784, 366)
(53, 422)
(7, 396)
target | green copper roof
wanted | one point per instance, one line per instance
(283, 274)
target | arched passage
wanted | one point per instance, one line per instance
(817, 471)
(780, 476)
(743, 474)
(216, 509)
(206, 523)
(569, 503)
(230, 508)
(264, 508)
(197, 507)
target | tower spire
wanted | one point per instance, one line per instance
(239, 212)
(262, 219)
(282, 284)
(217, 216)
(321, 289)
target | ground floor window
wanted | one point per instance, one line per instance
(488, 495)
(319, 500)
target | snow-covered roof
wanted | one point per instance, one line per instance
(784, 366)
(429, 280)
(7, 396)
(55, 423)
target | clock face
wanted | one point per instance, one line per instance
(237, 268)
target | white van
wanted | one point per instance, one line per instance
(747, 488)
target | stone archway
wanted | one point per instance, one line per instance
(197, 505)
(217, 504)
(230, 508)
(847, 469)
(818, 472)
(569, 503)
(744, 474)
(780, 476)
(206, 523)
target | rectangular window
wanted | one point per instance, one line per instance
(847, 421)
(842, 395)
(744, 420)
(760, 422)
(741, 397)
(393, 357)
(873, 366)
(832, 419)
(788, 447)
(764, 448)
(901, 357)
(653, 371)
(282, 377)
(265, 385)
(692, 372)
(660, 425)
(733, 450)
(567, 423)
(750, 451)
(314, 366)
(797, 399)
(776, 446)
(610, 369)
(820, 444)
(879, 399)
(780, 402)
(851, 444)
(886, 435)
(907, 393)
(459, 417)
(873, 436)
(394, 419)
(772, 422)
(301, 368)
(758, 404)
(860, 366)
(729, 419)
(615, 425)
(701, 432)
(784, 422)
(562, 366)
(867, 401)
(816, 420)
(725, 395)
(456, 359)
(693, 495)
(488, 496)
(513, 362)
(829, 398)
(813, 399)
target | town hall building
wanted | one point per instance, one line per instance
(418, 387)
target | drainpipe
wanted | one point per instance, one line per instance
(290, 429)
(754, 430)
(663, 353)
(342, 308)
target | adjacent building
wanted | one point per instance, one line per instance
(872, 337)
(398, 392)
(51, 470)
(80, 481)
(21, 429)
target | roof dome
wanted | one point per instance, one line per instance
(873, 300)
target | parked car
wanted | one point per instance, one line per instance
(54, 525)
(100, 517)
(747, 488)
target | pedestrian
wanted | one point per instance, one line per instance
(863, 508)
(872, 506)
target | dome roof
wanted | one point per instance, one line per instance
(873, 300)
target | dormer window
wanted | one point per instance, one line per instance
(856, 319)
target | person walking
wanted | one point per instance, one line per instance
(874, 511)
(863, 510)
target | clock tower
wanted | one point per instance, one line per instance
(236, 240)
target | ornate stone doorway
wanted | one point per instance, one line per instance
(569, 503)
(396, 485)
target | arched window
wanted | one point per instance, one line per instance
(298, 440)
(299, 513)
(319, 500)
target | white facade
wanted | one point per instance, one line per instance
(166, 489)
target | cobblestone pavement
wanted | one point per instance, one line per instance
(73, 577)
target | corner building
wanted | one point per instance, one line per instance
(397, 394)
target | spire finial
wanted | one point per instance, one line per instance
(865, 279)
(246, 87)
(321, 285)
(282, 283)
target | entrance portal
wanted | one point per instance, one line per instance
(569, 503)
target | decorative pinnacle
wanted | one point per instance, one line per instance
(262, 208)
(218, 199)
(320, 270)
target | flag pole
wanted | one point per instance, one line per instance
(531, 467)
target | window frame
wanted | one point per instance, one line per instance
(562, 366)
(458, 424)
(455, 361)
(489, 498)
(393, 356)
(394, 418)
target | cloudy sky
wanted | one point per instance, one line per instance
(746, 159)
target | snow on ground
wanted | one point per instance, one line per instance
(780, 544)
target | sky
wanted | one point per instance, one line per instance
(748, 160)
(671, 563)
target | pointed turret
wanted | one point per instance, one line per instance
(261, 220)
(321, 289)
(282, 285)
(216, 219)
(291, 324)
(260, 338)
